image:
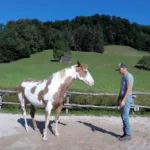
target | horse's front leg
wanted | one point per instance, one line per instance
(58, 110)
(47, 116)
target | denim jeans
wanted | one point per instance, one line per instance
(125, 116)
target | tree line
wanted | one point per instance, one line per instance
(21, 38)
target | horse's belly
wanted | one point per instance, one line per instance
(34, 100)
(37, 97)
(37, 104)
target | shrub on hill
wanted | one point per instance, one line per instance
(60, 50)
(144, 63)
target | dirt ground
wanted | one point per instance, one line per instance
(76, 133)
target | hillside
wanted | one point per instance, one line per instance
(101, 66)
(124, 50)
(24, 37)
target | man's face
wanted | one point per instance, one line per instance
(121, 70)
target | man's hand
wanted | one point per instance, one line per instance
(122, 103)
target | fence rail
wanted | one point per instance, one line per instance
(84, 93)
(68, 105)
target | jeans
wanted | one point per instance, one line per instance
(125, 116)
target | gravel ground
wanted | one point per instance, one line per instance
(76, 133)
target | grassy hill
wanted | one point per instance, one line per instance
(124, 50)
(101, 66)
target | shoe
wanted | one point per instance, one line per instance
(121, 136)
(125, 138)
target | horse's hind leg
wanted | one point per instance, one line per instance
(23, 102)
(47, 115)
(58, 110)
(25, 119)
(32, 113)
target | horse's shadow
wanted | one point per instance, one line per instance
(40, 124)
(95, 128)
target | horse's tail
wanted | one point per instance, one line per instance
(21, 96)
(23, 101)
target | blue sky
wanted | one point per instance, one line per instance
(44, 10)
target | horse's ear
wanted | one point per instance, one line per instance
(78, 64)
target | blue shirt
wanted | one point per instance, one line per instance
(128, 78)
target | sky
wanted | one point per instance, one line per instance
(50, 10)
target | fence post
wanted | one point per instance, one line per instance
(67, 103)
(135, 108)
(133, 96)
(1, 100)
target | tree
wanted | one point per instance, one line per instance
(12, 46)
(2, 26)
(89, 39)
(83, 33)
(98, 45)
(60, 50)
(6, 53)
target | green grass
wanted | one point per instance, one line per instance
(124, 50)
(101, 67)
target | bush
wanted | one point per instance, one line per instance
(144, 63)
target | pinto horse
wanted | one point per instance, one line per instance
(50, 92)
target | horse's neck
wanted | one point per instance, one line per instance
(65, 74)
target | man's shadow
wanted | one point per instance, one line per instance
(95, 128)
(40, 124)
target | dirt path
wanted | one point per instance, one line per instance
(76, 133)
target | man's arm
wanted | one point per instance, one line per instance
(129, 87)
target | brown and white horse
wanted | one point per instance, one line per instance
(50, 92)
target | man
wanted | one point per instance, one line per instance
(125, 99)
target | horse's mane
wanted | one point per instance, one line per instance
(61, 74)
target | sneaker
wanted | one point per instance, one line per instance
(125, 138)
(121, 136)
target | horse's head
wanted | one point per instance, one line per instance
(83, 74)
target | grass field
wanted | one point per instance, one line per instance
(101, 67)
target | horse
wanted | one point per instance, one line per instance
(50, 92)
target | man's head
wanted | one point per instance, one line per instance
(121, 67)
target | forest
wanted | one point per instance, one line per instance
(21, 38)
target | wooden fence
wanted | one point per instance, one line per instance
(68, 105)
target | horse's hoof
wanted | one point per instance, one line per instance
(57, 134)
(44, 138)
(27, 129)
